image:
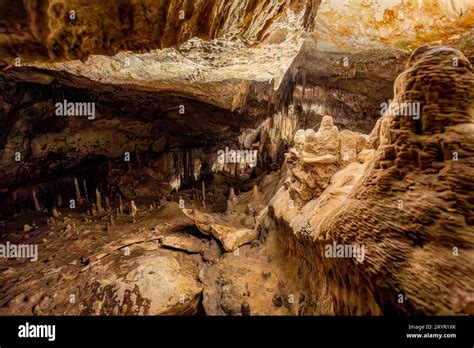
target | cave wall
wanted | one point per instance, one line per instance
(410, 205)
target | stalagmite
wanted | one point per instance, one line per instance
(120, 205)
(68, 229)
(255, 192)
(256, 197)
(75, 232)
(35, 200)
(137, 152)
(94, 210)
(78, 191)
(59, 200)
(231, 201)
(85, 189)
(203, 194)
(133, 211)
(98, 198)
(56, 213)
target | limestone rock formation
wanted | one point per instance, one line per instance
(231, 237)
(348, 191)
(154, 285)
(407, 206)
(317, 156)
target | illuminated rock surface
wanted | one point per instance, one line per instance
(159, 225)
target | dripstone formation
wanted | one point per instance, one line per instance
(236, 158)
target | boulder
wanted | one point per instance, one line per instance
(233, 237)
(202, 221)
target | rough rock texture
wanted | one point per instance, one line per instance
(250, 282)
(317, 156)
(155, 284)
(231, 237)
(357, 24)
(411, 206)
(130, 269)
(50, 30)
(173, 83)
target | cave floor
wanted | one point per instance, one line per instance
(159, 265)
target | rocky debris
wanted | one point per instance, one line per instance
(235, 285)
(184, 242)
(231, 237)
(202, 221)
(212, 252)
(208, 249)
